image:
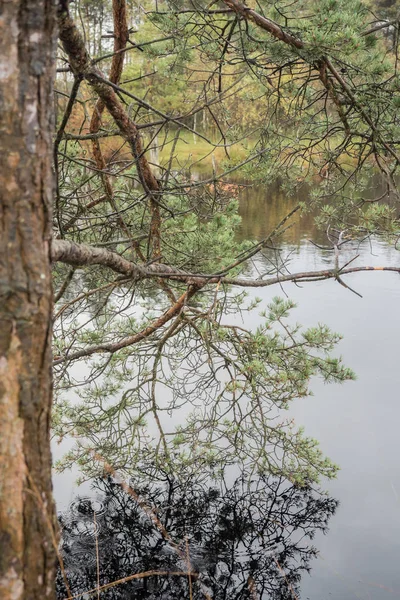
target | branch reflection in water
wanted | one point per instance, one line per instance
(244, 540)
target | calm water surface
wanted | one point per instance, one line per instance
(356, 423)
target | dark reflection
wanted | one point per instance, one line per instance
(263, 207)
(243, 541)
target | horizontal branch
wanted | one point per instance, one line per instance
(197, 11)
(84, 255)
(133, 46)
(305, 276)
(379, 26)
(112, 133)
(80, 255)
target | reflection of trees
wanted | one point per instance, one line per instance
(244, 541)
(263, 207)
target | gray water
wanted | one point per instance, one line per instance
(356, 423)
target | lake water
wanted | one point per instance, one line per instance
(356, 424)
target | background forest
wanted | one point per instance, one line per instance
(173, 380)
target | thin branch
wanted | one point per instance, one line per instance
(84, 255)
(131, 578)
(135, 338)
(81, 65)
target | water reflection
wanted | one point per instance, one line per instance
(241, 541)
(263, 207)
(357, 426)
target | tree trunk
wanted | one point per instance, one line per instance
(27, 517)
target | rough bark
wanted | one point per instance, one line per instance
(80, 255)
(27, 555)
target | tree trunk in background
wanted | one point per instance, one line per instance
(27, 521)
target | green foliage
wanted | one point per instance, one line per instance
(200, 391)
(232, 384)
